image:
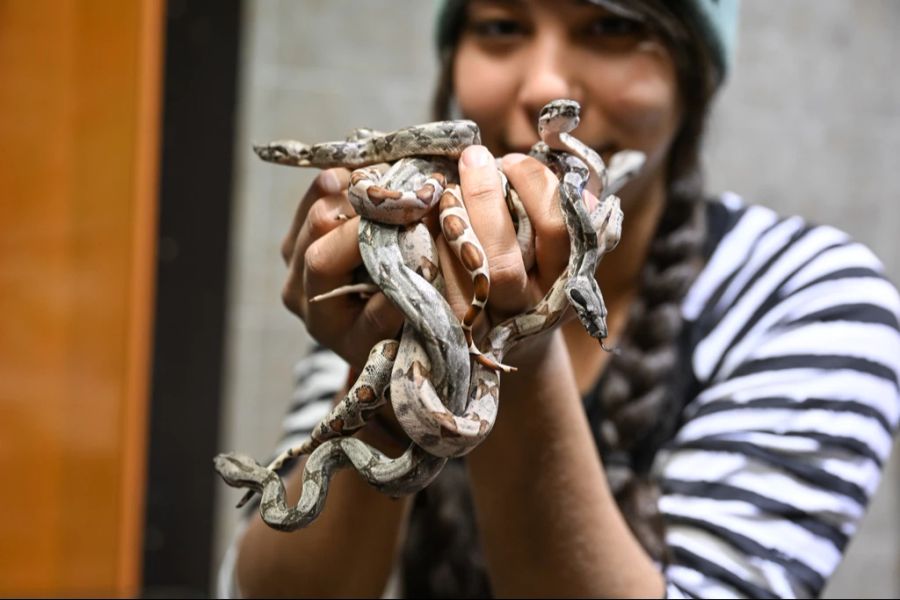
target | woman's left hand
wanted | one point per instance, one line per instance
(513, 289)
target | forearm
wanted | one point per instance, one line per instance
(549, 523)
(347, 551)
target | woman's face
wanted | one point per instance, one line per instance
(514, 56)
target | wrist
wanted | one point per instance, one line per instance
(384, 432)
(535, 354)
(541, 387)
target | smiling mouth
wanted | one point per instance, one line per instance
(605, 151)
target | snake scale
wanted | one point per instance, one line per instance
(446, 404)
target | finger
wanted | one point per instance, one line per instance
(327, 263)
(330, 182)
(323, 217)
(483, 197)
(330, 263)
(457, 282)
(538, 189)
(378, 320)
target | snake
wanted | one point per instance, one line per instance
(388, 262)
(404, 265)
(421, 387)
(365, 147)
(432, 345)
(591, 234)
(406, 474)
(436, 427)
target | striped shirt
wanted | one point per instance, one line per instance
(794, 355)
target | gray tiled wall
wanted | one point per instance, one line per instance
(809, 123)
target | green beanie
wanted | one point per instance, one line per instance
(718, 21)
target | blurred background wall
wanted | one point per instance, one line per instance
(809, 123)
(80, 85)
(125, 132)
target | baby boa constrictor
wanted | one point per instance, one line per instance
(432, 344)
(484, 388)
(415, 468)
(436, 427)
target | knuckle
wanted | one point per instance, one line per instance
(292, 298)
(315, 261)
(553, 231)
(378, 321)
(333, 180)
(507, 271)
(287, 248)
(320, 220)
(533, 176)
(532, 172)
(483, 190)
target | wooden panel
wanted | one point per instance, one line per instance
(199, 105)
(78, 141)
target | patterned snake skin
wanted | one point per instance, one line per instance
(445, 409)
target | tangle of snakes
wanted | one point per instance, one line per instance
(446, 402)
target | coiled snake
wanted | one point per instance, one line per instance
(445, 405)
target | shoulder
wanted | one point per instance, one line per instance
(749, 242)
(795, 353)
(787, 308)
(769, 273)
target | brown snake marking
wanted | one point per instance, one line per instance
(415, 468)
(370, 198)
(416, 398)
(460, 236)
(444, 433)
(365, 397)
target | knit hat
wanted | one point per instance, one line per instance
(718, 21)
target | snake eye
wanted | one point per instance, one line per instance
(576, 297)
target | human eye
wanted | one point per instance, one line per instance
(614, 32)
(495, 28)
(615, 26)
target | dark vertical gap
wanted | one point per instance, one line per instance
(201, 61)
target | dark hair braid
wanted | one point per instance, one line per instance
(637, 401)
(638, 405)
(443, 556)
(639, 394)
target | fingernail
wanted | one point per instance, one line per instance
(476, 156)
(329, 183)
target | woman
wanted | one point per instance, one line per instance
(742, 425)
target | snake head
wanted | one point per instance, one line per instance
(239, 470)
(559, 116)
(585, 298)
(286, 152)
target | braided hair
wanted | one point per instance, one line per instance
(635, 406)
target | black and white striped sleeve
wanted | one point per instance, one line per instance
(798, 360)
(318, 377)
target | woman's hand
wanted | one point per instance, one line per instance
(513, 290)
(322, 252)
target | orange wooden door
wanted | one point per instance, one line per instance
(79, 114)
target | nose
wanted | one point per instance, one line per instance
(550, 74)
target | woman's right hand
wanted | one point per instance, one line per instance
(514, 290)
(321, 252)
